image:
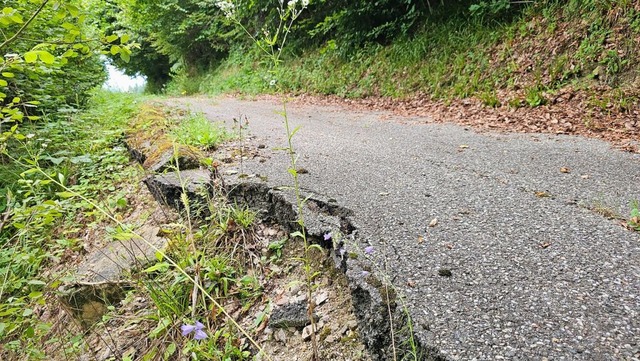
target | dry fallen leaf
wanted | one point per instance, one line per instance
(420, 240)
(565, 170)
(411, 283)
(433, 222)
(545, 244)
(542, 194)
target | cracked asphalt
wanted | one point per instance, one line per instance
(537, 269)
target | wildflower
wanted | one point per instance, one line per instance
(327, 236)
(342, 251)
(197, 329)
(365, 273)
(368, 250)
(227, 7)
(272, 82)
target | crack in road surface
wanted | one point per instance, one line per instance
(531, 276)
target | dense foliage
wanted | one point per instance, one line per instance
(189, 36)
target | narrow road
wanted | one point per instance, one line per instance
(522, 263)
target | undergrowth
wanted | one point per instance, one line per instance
(42, 221)
(518, 60)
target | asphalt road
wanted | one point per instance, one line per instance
(537, 271)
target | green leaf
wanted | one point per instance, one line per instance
(163, 266)
(16, 19)
(124, 38)
(36, 294)
(69, 54)
(30, 56)
(169, 351)
(162, 325)
(29, 332)
(124, 236)
(111, 38)
(46, 57)
(69, 26)
(3, 82)
(115, 49)
(65, 195)
(7, 74)
(73, 10)
(125, 57)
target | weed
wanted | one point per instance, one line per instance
(198, 131)
(275, 248)
(604, 210)
(534, 97)
(634, 217)
(490, 99)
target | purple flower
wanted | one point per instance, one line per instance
(197, 329)
(368, 250)
(327, 236)
(342, 251)
(365, 273)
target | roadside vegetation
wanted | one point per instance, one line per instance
(515, 54)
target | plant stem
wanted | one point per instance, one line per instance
(301, 223)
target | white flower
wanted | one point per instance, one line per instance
(272, 82)
(292, 3)
(227, 7)
(305, 3)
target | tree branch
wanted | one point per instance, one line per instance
(25, 25)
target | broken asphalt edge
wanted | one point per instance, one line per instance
(383, 320)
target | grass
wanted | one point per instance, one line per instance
(198, 131)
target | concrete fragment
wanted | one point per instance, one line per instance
(99, 279)
(167, 188)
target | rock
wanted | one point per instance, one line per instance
(291, 315)
(352, 325)
(280, 336)
(322, 297)
(332, 338)
(308, 330)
